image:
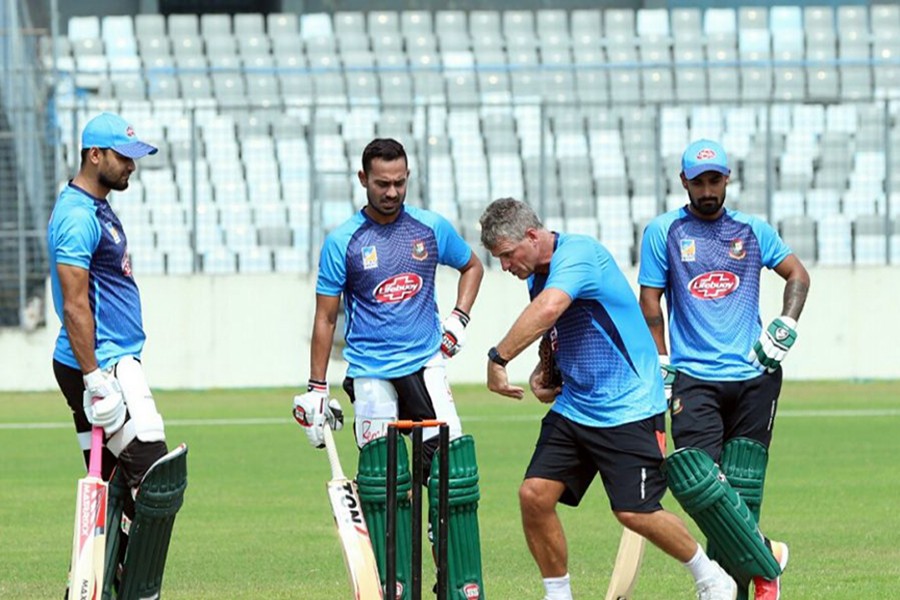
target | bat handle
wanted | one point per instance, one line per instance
(333, 459)
(96, 462)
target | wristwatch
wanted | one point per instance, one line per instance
(494, 355)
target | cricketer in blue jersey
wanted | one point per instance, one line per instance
(382, 262)
(609, 415)
(96, 360)
(723, 368)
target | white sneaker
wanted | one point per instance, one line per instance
(719, 587)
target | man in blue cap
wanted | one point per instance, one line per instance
(97, 359)
(723, 373)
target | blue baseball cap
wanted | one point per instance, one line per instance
(702, 156)
(107, 130)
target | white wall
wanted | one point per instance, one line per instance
(253, 331)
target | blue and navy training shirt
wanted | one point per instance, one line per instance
(85, 232)
(386, 274)
(601, 343)
(710, 272)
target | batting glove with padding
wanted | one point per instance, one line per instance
(668, 373)
(104, 404)
(773, 344)
(314, 409)
(454, 328)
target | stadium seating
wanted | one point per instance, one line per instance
(260, 120)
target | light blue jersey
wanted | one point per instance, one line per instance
(85, 232)
(386, 274)
(710, 272)
(601, 343)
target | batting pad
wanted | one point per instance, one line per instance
(705, 494)
(743, 462)
(118, 492)
(158, 500)
(371, 483)
(463, 543)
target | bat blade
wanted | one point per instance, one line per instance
(628, 564)
(355, 542)
(89, 537)
(346, 508)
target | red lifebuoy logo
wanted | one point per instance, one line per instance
(713, 285)
(706, 154)
(398, 288)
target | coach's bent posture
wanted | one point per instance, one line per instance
(724, 371)
(608, 416)
(97, 357)
(383, 261)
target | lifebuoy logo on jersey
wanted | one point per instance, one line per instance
(713, 285)
(398, 288)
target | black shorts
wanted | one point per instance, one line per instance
(628, 458)
(706, 414)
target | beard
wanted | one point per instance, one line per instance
(118, 185)
(708, 205)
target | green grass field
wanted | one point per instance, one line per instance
(256, 522)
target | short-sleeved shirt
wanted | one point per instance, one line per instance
(601, 343)
(386, 274)
(710, 271)
(84, 232)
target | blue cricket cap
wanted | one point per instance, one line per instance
(107, 130)
(702, 156)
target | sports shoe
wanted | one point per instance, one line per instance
(770, 589)
(719, 587)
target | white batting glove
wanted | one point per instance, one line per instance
(773, 344)
(104, 404)
(454, 337)
(313, 410)
(668, 373)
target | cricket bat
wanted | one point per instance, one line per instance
(628, 564)
(348, 517)
(89, 540)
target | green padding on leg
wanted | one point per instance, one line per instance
(464, 543)
(724, 518)
(158, 500)
(744, 462)
(371, 482)
(114, 506)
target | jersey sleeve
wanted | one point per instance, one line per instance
(453, 250)
(772, 248)
(332, 267)
(77, 236)
(573, 268)
(654, 259)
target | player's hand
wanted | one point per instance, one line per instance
(454, 328)
(314, 409)
(773, 344)
(543, 392)
(498, 382)
(104, 404)
(668, 373)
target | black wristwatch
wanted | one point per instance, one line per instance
(494, 355)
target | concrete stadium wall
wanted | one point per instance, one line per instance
(254, 331)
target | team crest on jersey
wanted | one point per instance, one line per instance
(737, 250)
(114, 233)
(369, 257)
(688, 250)
(713, 285)
(398, 288)
(419, 251)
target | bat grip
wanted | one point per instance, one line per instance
(95, 465)
(333, 459)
